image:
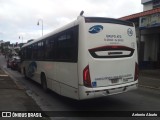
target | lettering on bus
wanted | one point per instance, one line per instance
(113, 77)
(114, 39)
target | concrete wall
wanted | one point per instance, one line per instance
(147, 6)
(146, 1)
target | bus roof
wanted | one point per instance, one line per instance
(87, 20)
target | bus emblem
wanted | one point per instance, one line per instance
(130, 32)
(95, 29)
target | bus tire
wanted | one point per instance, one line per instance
(44, 82)
(24, 72)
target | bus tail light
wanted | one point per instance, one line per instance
(86, 77)
(136, 72)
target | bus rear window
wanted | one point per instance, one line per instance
(107, 20)
(111, 52)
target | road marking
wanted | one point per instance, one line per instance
(14, 80)
(3, 75)
(150, 87)
(144, 77)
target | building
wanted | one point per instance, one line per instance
(150, 4)
(1, 41)
(148, 33)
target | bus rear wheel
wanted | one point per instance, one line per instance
(24, 72)
(44, 82)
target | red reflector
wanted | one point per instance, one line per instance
(86, 77)
(115, 47)
(136, 73)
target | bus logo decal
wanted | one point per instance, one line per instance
(95, 29)
(32, 69)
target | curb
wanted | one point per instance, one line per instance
(13, 79)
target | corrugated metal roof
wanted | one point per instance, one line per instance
(141, 14)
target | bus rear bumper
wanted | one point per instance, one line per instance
(89, 93)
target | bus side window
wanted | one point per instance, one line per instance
(34, 51)
(40, 50)
(49, 46)
(67, 45)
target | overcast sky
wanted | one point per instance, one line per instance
(20, 17)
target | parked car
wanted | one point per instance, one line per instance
(14, 62)
(9, 62)
(19, 66)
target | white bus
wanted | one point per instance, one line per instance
(90, 57)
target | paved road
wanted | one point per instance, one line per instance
(142, 99)
(14, 98)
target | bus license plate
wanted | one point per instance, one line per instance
(113, 81)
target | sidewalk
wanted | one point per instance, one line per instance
(13, 98)
(149, 78)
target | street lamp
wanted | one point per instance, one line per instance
(21, 37)
(42, 24)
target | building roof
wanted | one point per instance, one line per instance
(141, 14)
